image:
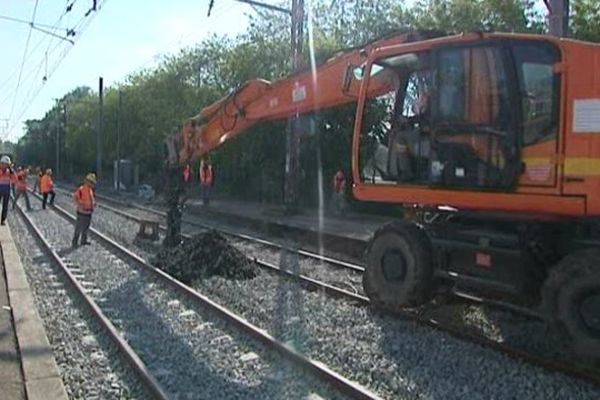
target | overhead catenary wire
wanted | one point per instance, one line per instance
(24, 56)
(78, 29)
(44, 38)
(27, 97)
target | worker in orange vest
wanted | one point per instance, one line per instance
(207, 179)
(38, 180)
(21, 187)
(7, 178)
(85, 201)
(338, 198)
(47, 188)
(187, 174)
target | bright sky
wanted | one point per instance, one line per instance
(122, 37)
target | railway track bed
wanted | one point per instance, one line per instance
(191, 353)
(396, 358)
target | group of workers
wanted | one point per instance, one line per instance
(206, 176)
(17, 180)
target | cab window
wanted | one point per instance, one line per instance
(539, 90)
(440, 118)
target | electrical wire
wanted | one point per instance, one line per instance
(219, 10)
(52, 27)
(24, 56)
(79, 29)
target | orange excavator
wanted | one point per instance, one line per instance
(489, 141)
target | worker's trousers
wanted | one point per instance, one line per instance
(206, 194)
(18, 194)
(338, 203)
(45, 198)
(5, 197)
(81, 228)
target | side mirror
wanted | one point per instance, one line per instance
(359, 72)
(353, 72)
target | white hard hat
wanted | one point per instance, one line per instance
(5, 160)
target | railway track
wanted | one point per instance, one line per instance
(566, 368)
(317, 369)
(126, 351)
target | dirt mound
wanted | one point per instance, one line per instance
(202, 256)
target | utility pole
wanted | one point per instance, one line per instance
(99, 129)
(64, 135)
(57, 140)
(558, 17)
(119, 141)
(292, 160)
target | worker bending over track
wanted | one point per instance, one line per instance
(86, 202)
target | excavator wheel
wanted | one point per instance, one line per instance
(399, 271)
(572, 295)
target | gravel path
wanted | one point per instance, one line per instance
(89, 363)
(192, 354)
(396, 358)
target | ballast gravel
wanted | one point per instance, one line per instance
(395, 358)
(494, 323)
(88, 362)
(193, 354)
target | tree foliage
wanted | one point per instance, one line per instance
(156, 101)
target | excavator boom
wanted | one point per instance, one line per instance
(329, 85)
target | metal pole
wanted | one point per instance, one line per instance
(558, 17)
(61, 151)
(99, 130)
(292, 161)
(292, 165)
(57, 167)
(119, 142)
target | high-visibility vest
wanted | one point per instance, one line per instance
(187, 172)
(85, 199)
(206, 175)
(46, 184)
(21, 182)
(338, 181)
(7, 177)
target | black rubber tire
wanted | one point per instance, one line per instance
(579, 263)
(573, 276)
(415, 286)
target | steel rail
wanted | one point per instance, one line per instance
(320, 257)
(332, 261)
(336, 263)
(126, 351)
(320, 370)
(302, 279)
(563, 367)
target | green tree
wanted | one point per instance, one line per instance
(456, 16)
(585, 20)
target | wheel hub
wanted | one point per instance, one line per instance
(589, 309)
(393, 266)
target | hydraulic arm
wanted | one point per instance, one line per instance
(331, 84)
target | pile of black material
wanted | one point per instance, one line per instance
(202, 256)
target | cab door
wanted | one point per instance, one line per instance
(539, 103)
(474, 126)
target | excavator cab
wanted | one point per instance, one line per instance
(458, 116)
